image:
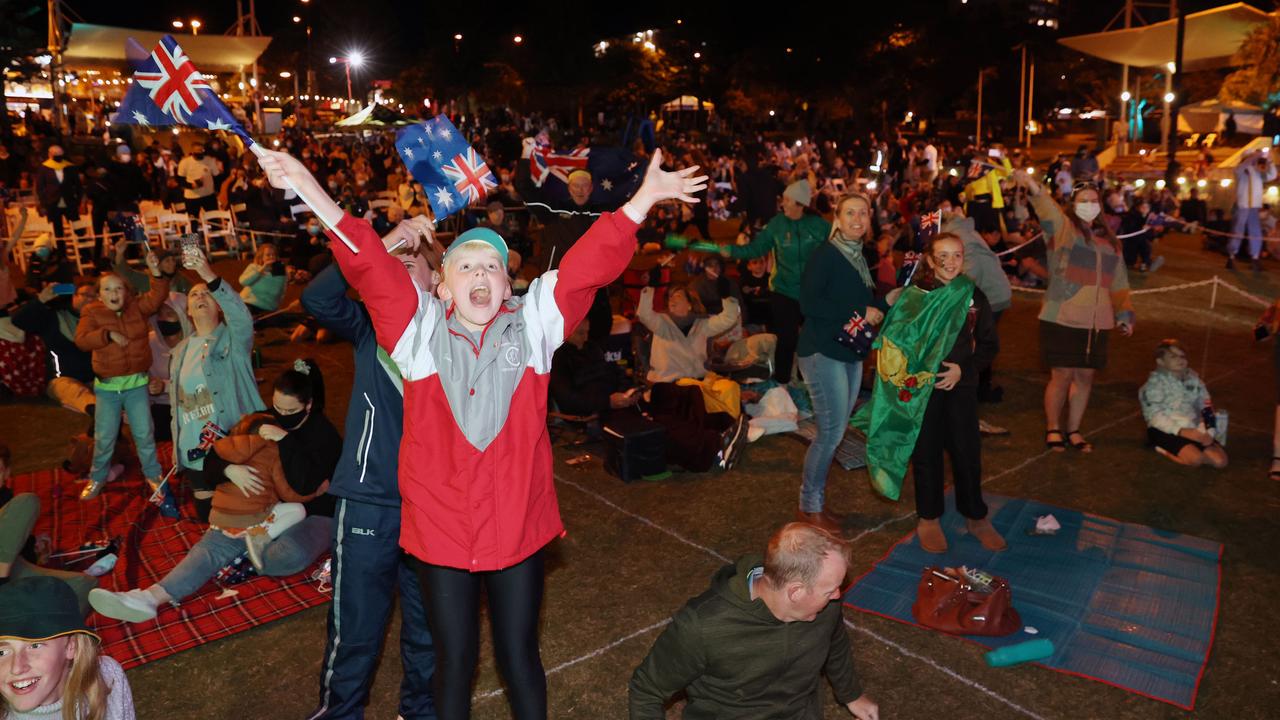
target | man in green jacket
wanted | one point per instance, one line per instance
(792, 236)
(753, 646)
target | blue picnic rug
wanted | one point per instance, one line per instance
(1124, 604)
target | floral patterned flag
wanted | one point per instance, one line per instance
(918, 333)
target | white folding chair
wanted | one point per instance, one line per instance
(219, 224)
(36, 226)
(81, 240)
(173, 226)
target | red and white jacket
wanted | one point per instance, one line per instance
(475, 459)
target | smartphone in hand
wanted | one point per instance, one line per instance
(190, 246)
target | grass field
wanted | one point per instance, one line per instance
(634, 553)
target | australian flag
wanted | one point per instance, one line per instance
(615, 174)
(168, 90)
(452, 173)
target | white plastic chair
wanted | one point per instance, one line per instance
(81, 240)
(172, 226)
(219, 224)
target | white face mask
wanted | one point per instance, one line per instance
(1087, 211)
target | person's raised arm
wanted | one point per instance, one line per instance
(388, 292)
(758, 246)
(325, 298)
(644, 310)
(151, 301)
(725, 319)
(603, 252)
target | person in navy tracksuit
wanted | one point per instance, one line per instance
(368, 564)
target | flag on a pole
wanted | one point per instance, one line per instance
(167, 89)
(917, 335)
(452, 173)
(615, 173)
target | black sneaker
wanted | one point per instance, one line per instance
(732, 442)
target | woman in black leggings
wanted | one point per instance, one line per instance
(453, 610)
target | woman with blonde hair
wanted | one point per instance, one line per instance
(263, 280)
(837, 292)
(50, 666)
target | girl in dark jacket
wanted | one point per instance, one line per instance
(951, 418)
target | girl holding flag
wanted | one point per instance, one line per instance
(936, 337)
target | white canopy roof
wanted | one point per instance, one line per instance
(688, 102)
(1212, 38)
(104, 45)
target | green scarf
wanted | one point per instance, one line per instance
(918, 332)
(852, 251)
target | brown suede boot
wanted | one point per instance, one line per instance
(932, 539)
(820, 520)
(986, 534)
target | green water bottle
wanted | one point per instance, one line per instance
(1029, 651)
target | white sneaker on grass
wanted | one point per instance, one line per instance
(133, 606)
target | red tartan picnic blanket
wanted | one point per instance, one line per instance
(151, 545)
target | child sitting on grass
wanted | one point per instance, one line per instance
(115, 330)
(1176, 406)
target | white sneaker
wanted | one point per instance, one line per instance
(133, 606)
(102, 565)
(284, 516)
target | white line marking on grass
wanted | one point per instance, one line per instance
(583, 658)
(643, 519)
(975, 685)
(946, 671)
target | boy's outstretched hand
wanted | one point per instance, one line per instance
(661, 185)
(286, 172)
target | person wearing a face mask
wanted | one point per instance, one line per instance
(169, 326)
(48, 266)
(289, 455)
(58, 190)
(1087, 297)
(196, 178)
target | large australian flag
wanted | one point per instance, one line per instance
(452, 173)
(615, 173)
(167, 89)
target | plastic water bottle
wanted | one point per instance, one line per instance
(1220, 427)
(1029, 651)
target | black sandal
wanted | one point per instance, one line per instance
(1055, 445)
(1083, 446)
(1274, 474)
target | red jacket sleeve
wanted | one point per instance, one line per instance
(383, 284)
(597, 259)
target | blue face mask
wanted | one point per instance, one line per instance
(313, 230)
(43, 252)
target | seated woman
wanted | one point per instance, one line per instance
(680, 334)
(263, 281)
(307, 451)
(1176, 406)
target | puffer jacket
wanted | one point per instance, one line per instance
(97, 322)
(232, 509)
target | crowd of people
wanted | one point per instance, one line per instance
(463, 349)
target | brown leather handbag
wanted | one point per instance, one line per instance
(954, 602)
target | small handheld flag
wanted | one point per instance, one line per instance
(452, 173)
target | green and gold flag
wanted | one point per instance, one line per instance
(917, 335)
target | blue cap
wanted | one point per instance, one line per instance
(480, 234)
